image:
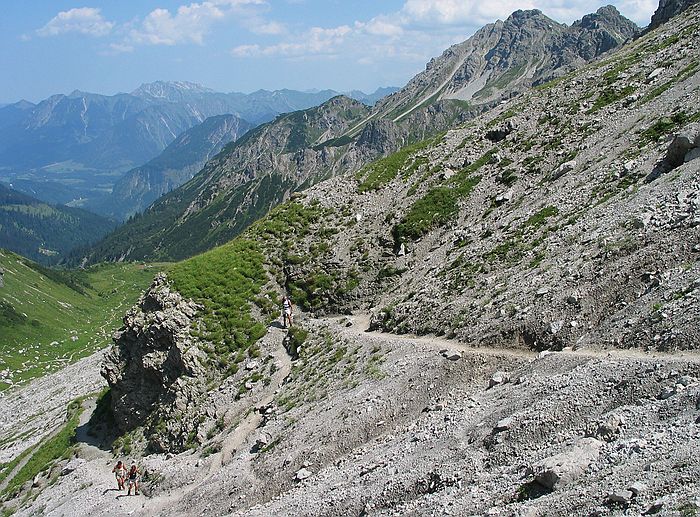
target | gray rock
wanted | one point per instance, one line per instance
(563, 468)
(637, 488)
(302, 474)
(563, 169)
(453, 355)
(72, 466)
(504, 424)
(666, 392)
(498, 378)
(621, 497)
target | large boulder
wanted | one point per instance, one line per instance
(154, 363)
(563, 468)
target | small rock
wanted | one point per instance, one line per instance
(251, 365)
(498, 378)
(563, 169)
(542, 291)
(544, 353)
(566, 466)
(655, 508)
(504, 424)
(303, 474)
(666, 393)
(72, 465)
(656, 73)
(453, 355)
(637, 488)
(621, 497)
(686, 380)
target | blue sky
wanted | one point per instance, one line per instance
(57, 46)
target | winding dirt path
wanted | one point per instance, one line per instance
(360, 327)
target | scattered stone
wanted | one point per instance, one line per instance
(608, 429)
(302, 474)
(504, 424)
(452, 355)
(563, 169)
(251, 365)
(637, 488)
(72, 466)
(621, 497)
(654, 508)
(666, 392)
(563, 468)
(498, 378)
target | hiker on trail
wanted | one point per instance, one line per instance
(133, 479)
(120, 473)
(286, 311)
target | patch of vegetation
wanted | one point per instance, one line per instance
(224, 281)
(296, 338)
(684, 74)
(440, 204)
(609, 96)
(50, 318)
(663, 127)
(58, 446)
(379, 173)
(540, 217)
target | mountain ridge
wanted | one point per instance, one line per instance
(419, 110)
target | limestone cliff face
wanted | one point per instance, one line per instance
(668, 9)
(509, 56)
(154, 364)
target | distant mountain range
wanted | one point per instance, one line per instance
(182, 159)
(42, 232)
(69, 148)
(341, 136)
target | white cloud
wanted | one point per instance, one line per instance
(314, 42)
(269, 28)
(84, 20)
(189, 23)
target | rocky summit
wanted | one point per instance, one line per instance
(500, 319)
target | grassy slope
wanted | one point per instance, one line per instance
(39, 316)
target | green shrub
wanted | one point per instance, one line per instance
(380, 173)
(225, 281)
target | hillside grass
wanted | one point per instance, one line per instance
(56, 447)
(224, 281)
(50, 318)
(440, 204)
(381, 172)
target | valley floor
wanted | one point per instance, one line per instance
(426, 426)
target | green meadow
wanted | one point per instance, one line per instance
(50, 318)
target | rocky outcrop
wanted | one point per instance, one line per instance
(155, 364)
(668, 9)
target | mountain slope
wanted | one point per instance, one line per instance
(237, 186)
(82, 143)
(50, 318)
(43, 232)
(505, 58)
(415, 113)
(564, 218)
(550, 247)
(178, 162)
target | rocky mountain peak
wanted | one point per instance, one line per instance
(522, 16)
(169, 90)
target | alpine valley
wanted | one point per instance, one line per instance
(494, 273)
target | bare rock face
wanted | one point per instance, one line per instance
(154, 364)
(668, 9)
